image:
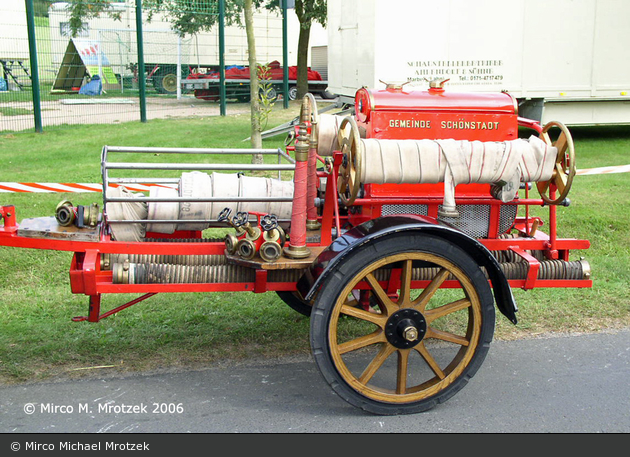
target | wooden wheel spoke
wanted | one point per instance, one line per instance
(420, 303)
(422, 350)
(562, 145)
(401, 371)
(388, 307)
(447, 336)
(350, 137)
(361, 342)
(341, 184)
(364, 315)
(351, 178)
(560, 178)
(376, 363)
(444, 310)
(405, 284)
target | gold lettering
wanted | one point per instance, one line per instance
(409, 123)
(467, 125)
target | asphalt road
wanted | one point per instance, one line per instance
(557, 384)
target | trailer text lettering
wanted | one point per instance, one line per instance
(409, 124)
(469, 125)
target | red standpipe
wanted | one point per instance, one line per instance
(311, 193)
(297, 238)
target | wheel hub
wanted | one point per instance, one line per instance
(405, 328)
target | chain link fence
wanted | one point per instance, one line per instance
(93, 76)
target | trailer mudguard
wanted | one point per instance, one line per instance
(315, 276)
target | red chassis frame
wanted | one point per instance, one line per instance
(87, 277)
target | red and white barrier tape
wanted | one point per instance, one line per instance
(49, 187)
(604, 170)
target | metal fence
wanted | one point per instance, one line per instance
(95, 76)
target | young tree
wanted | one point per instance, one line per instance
(256, 136)
(307, 11)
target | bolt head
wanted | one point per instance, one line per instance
(410, 333)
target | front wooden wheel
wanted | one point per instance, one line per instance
(420, 344)
(564, 170)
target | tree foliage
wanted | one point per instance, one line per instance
(81, 11)
(307, 11)
(190, 17)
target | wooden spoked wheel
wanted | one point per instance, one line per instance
(349, 180)
(564, 170)
(422, 344)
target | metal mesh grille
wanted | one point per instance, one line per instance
(473, 219)
(421, 210)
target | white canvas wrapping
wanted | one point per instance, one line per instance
(327, 141)
(456, 162)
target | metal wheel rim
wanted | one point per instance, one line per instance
(169, 83)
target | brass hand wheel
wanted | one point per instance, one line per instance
(349, 180)
(564, 170)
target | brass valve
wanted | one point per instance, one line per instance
(271, 230)
(224, 216)
(241, 220)
(437, 83)
(394, 86)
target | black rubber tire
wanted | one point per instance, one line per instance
(295, 303)
(165, 83)
(293, 92)
(376, 394)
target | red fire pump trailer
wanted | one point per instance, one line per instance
(403, 226)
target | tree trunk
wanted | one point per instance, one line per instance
(302, 60)
(256, 138)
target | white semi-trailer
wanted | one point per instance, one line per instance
(562, 59)
(14, 51)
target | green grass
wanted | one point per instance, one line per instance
(11, 111)
(39, 341)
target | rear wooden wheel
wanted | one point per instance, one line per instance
(295, 302)
(422, 344)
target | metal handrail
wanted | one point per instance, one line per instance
(106, 166)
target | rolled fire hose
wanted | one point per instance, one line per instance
(457, 162)
(121, 211)
(328, 128)
(195, 185)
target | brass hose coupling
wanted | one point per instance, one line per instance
(274, 237)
